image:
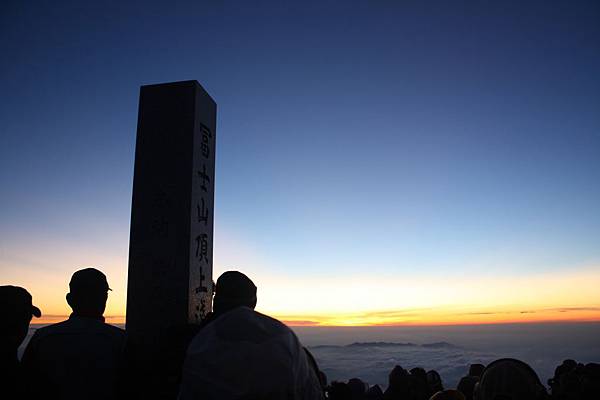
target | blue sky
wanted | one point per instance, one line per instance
(378, 137)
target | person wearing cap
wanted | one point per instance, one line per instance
(16, 309)
(82, 357)
(242, 353)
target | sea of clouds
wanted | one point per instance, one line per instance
(371, 352)
(372, 361)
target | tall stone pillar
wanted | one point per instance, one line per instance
(171, 237)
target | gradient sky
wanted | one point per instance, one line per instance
(378, 162)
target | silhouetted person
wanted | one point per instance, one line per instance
(466, 386)
(16, 311)
(398, 385)
(339, 391)
(561, 384)
(590, 381)
(374, 393)
(476, 370)
(508, 378)
(418, 383)
(243, 354)
(357, 389)
(434, 381)
(82, 357)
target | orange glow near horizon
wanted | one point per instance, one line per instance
(52, 319)
(447, 317)
(568, 296)
(555, 297)
(426, 318)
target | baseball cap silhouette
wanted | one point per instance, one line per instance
(88, 279)
(16, 300)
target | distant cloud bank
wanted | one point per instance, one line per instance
(372, 362)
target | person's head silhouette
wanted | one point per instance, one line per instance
(88, 293)
(399, 379)
(508, 378)
(466, 385)
(476, 369)
(16, 309)
(434, 381)
(233, 289)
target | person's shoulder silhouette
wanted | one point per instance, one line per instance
(81, 357)
(16, 309)
(245, 354)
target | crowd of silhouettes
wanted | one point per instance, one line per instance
(237, 353)
(503, 379)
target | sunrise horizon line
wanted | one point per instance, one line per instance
(120, 319)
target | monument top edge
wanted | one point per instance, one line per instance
(191, 82)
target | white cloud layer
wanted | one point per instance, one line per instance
(543, 346)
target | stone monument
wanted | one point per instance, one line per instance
(171, 237)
